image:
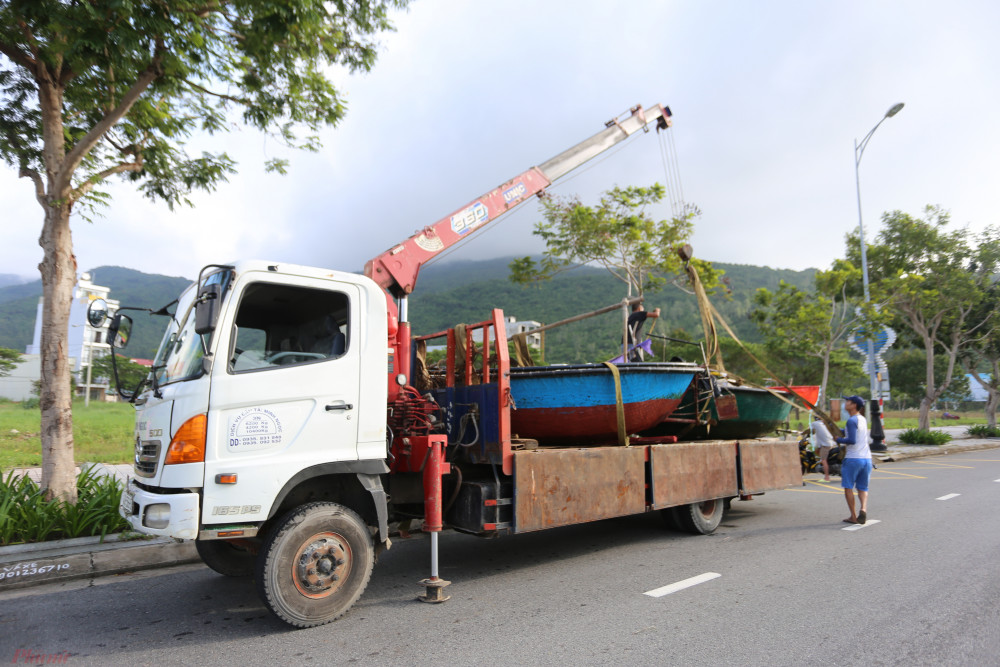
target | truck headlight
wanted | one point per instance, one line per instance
(157, 516)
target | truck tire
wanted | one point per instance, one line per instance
(315, 564)
(700, 518)
(225, 557)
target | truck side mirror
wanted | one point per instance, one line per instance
(206, 309)
(120, 330)
(97, 313)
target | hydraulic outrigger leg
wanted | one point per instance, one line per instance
(434, 469)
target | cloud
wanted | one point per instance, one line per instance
(768, 100)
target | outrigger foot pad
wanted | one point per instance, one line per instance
(435, 590)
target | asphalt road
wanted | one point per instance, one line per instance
(782, 583)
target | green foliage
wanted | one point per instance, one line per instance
(916, 436)
(983, 431)
(934, 283)
(9, 359)
(130, 374)
(805, 331)
(464, 291)
(618, 235)
(25, 515)
(135, 80)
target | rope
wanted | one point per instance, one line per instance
(706, 310)
(619, 404)
(830, 424)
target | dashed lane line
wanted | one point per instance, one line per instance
(681, 585)
(859, 526)
(949, 496)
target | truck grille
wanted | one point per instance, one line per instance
(147, 454)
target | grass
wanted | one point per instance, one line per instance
(906, 419)
(102, 433)
(911, 418)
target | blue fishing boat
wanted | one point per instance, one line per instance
(577, 403)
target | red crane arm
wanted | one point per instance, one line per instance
(396, 269)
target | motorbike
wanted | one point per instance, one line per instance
(809, 458)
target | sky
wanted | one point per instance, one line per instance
(768, 99)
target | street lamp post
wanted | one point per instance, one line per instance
(877, 432)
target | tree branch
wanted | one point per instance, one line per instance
(89, 184)
(215, 94)
(18, 57)
(36, 178)
(85, 145)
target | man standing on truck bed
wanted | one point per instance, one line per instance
(856, 468)
(635, 322)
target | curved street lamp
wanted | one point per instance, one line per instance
(877, 432)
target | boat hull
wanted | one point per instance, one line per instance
(758, 413)
(576, 404)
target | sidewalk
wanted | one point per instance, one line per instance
(26, 565)
(23, 565)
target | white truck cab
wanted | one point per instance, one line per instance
(268, 392)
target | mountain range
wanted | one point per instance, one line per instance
(454, 292)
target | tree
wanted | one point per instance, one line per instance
(9, 359)
(935, 283)
(100, 88)
(619, 235)
(797, 324)
(130, 374)
(983, 352)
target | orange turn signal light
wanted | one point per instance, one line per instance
(225, 478)
(188, 444)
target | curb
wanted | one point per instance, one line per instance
(24, 565)
(917, 451)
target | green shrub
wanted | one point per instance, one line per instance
(914, 436)
(25, 515)
(984, 431)
(30, 404)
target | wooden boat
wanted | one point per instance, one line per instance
(721, 410)
(577, 403)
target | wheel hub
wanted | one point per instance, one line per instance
(322, 564)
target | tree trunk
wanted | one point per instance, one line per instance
(924, 423)
(58, 270)
(992, 399)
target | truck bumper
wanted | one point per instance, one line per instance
(165, 514)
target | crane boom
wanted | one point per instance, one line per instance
(396, 269)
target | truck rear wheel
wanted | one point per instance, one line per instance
(225, 557)
(315, 564)
(700, 518)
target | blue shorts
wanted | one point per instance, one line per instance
(855, 473)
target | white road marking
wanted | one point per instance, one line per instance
(859, 526)
(949, 496)
(681, 585)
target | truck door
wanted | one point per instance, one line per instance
(284, 393)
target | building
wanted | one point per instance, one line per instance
(85, 343)
(20, 384)
(513, 327)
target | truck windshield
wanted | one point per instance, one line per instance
(181, 350)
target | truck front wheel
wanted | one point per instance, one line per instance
(315, 564)
(700, 518)
(225, 557)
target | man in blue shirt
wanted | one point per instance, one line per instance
(856, 468)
